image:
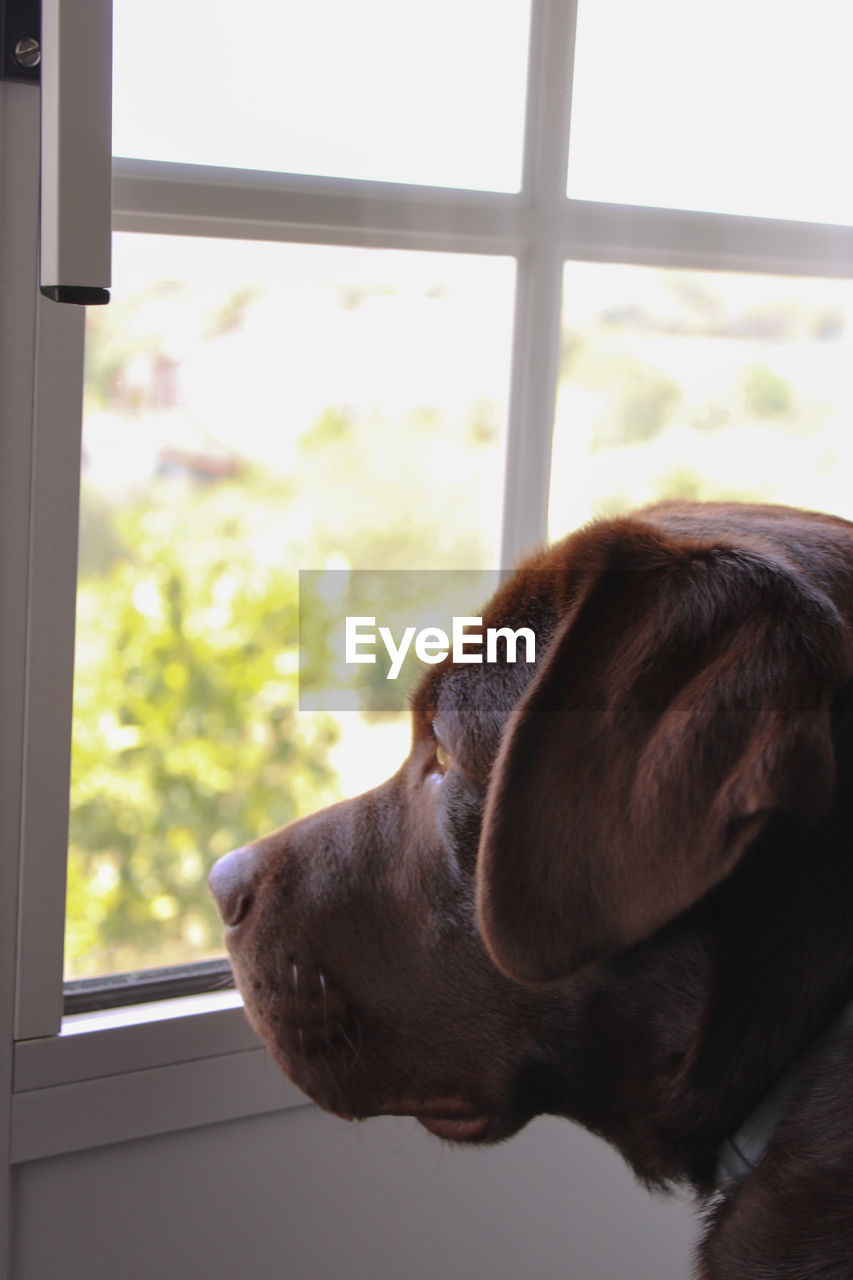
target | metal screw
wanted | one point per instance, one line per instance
(28, 52)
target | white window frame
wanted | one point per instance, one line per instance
(110, 1077)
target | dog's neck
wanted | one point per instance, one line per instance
(740, 1154)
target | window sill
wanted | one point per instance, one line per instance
(134, 1072)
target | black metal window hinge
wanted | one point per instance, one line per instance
(20, 40)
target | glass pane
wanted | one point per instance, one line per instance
(741, 107)
(427, 93)
(701, 385)
(253, 409)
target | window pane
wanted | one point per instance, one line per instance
(253, 409)
(701, 385)
(427, 93)
(740, 107)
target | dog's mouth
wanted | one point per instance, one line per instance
(456, 1128)
(453, 1119)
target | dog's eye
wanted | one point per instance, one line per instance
(443, 758)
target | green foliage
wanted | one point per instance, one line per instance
(637, 400)
(329, 431)
(187, 737)
(766, 394)
(187, 741)
(231, 315)
(646, 401)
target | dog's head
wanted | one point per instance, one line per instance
(427, 948)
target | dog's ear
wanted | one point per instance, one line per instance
(684, 699)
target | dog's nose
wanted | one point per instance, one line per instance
(232, 883)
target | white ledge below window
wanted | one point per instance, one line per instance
(146, 1069)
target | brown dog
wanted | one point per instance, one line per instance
(616, 885)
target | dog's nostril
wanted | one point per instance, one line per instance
(231, 881)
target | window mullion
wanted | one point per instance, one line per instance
(183, 199)
(539, 285)
(704, 241)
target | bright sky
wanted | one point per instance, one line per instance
(741, 106)
(428, 91)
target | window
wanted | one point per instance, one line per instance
(253, 408)
(743, 110)
(419, 93)
(699, 384)
(232, 376)
(358, 319)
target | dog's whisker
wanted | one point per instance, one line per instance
(356, 1055)
(325, 1007)
(329, 1072)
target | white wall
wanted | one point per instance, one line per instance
(300, 1194)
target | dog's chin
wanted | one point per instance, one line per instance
(453, 1119)
(347, 1089)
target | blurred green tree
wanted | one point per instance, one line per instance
(766, 394)
(187, 741)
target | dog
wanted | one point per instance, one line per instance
(613, 884)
